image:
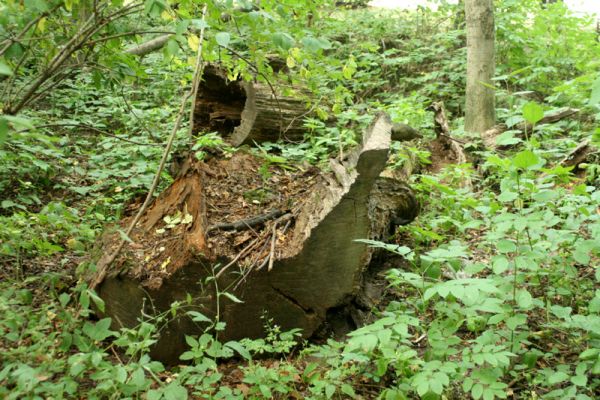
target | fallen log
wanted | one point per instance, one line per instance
(247, 112)
(578, 155)
(295, 260)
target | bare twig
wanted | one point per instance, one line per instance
(244, 251)
(104, 264)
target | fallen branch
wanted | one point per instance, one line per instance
(150, 46)
(246, 223)
(577, 155)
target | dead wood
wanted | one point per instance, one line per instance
(292, 268)
(248, 112)
(247, 223)
(445, 143)
(489, 136)
(578, 155)
(150, 46)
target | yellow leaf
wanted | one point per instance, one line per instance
(291, 63)
(163, 266)
(166, 15)
(193, 42)
(42, 24)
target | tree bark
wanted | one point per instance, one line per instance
(480, 112)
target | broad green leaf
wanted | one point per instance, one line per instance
(477, 391)
(557, 377)
(526, 159)
(223, 39)
(524, 299)
(98, 331)
(174, 391)
(5, 69)
(283, 40)
(507, 139)
(506, 246)
(500, 264)
(533, 112)
(579, 380)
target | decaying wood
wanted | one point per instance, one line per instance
(292, 268)
(442, 129)
(578, 155)
(489, 136)
(247, 223)
(247, 112)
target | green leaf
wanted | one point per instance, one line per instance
(533, 112)
(3, 130)
(198, 317)
(579, 380)
(223, 39)
(595, 96)
(329, 391)
(240, 349)
(5, 69)
(500, 264)
(283, 40)
(524, 299)
(506, 246)
(232, 297)
(557, 377)
(174, 391)
(98, 331)
(526, 160)
(508, 139)
(589, 354)
(477, 391)
(347, 389)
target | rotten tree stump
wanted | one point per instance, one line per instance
(247, 112)
(293, 259)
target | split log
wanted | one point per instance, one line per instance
(247, 112)
(293, 257)
(489, 136)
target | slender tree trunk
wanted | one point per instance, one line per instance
(480, 112)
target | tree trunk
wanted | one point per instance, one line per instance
(480, 112)
(282, 241)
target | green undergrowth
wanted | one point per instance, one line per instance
(500, 296)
